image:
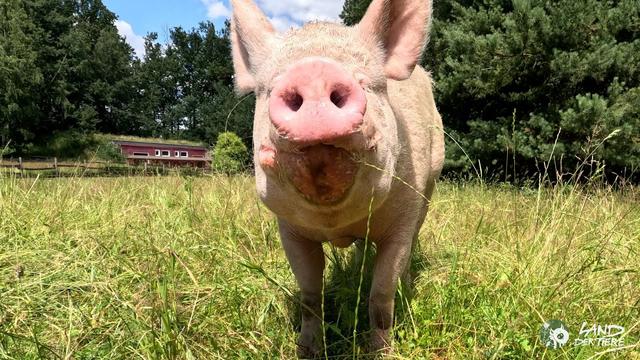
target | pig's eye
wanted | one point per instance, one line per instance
(339, 97)
(293, 100)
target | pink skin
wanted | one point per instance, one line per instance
(267, 157)
(312, 117)
(316, 101)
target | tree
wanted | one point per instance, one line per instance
(156, 84)
(99, 71)
(187, 86)
(19, 75)
(513, 76)
(66, 73)
(529, 72)
(230, 155)
(51, 21)
(353, 10)
(74, 75)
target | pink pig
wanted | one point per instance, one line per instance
(344, 120)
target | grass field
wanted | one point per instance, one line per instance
(192, 268)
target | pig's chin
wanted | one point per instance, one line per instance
(322, 174)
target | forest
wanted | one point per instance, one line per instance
(523, 86)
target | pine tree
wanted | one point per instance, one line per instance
(19, 75)
(353, 10)
(528, 72)
(511, 77)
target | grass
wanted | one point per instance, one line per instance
(110, 137)
(192, 268)
(44, 169)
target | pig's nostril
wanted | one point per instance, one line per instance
(338, 97)
(293, 100)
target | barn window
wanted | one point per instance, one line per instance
(157, 152)
(140, 154)
(166, 153)
(184, 154)
(177, 153)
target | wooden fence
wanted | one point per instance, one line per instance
(51, 167)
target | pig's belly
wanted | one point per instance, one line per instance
(343, 242)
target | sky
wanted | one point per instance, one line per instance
(136, 18)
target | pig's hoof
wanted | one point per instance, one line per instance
(307, 351)
(380, 343)
(309, 340)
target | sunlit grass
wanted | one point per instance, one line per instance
(192, 268)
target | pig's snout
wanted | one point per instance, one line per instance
(316, 101)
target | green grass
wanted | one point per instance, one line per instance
(110, 137)
(181, 268)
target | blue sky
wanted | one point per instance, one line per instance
(136, 18)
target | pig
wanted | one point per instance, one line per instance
(348, 143)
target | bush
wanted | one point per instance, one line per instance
(76, 145)
(108, 151)
(6, 151)
(65, 145)
(230, 155)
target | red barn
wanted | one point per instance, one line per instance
(174, 155)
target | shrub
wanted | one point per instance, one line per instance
(109, 151)
(76, 145)
(6, 151)
(230, 155)
(65, 145)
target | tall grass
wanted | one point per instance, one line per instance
(192, 268)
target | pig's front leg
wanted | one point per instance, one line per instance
(307, 263)
(391, 262)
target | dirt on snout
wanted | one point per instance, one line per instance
(323, 174)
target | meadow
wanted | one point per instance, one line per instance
(192, 268)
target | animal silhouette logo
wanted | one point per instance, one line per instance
(554, 334)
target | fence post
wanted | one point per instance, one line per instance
(55, 166)
(20, 166)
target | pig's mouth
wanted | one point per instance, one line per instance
(323, 174)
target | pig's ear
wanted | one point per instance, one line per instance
(252, 36)
(402, 27)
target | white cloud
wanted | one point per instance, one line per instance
(301, 11)
(283, 23)
(136, 41)
(284, 13)
(216, 9)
